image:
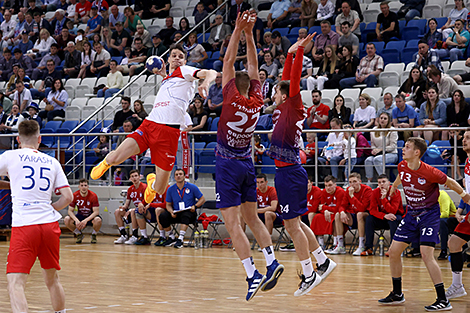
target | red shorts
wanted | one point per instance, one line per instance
(162, 141)
(464, 227)
(31, 242)
(320, 226)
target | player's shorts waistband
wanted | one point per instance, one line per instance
(420, 212)
(287, 167)
(173, 126)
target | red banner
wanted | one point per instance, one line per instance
(186, 153)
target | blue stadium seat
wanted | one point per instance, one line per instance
(265, 122)
(440, 22)
(362, 26)
(370, 28)
(412, 43)
(70, 125)
(198, 147)
(407, 55)
(48, 141)
(64, 141)
(207, 159)
(268, 165)
(283, 31)
(293, 38)
(398, 45)
(53, 125)
(421, 24)
(379, 46)
(295, 30)
(314, 29)
(117, 59)
(87, 126)
(215, 55)
(410, 33)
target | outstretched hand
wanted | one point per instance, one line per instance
(303, 43)
(245, 21)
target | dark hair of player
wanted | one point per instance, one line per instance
(262, 175)
(357, 175)
(133, 171)
(242, 81)
(283, 87)
(382, 176)
(180, 48)
(329, 178)
(28, 129)
(419, 144)
(83, 180)
(180, 170)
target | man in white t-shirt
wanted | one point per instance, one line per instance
(22, 96)
(35, 232)
(161, 129)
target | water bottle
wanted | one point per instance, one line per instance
(196, 240)
(206, 239)
(381, 246)
(203, 239)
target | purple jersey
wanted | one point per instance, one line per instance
(288, 119)
(238, 120)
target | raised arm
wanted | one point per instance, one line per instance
(228, 70)
(296, 71)
(252, 59)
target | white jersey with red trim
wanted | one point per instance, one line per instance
(34, 176)
(467, 176)
(174, 96)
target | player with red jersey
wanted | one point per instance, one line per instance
(35, 231)
(267, 203)
(461, 235)
(291, 178)
(421, 223)
(88, 213)
(135, 194)
(313, 200)
(161, 128)
(235, 174)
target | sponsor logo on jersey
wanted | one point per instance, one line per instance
(421, 181)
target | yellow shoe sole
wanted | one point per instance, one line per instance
(99, 170)
(149, 193)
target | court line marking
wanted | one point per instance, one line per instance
(90, 307)
(112, 306)
(138, 303)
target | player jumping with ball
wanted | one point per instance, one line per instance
(161, 129)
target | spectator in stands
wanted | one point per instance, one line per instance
(86, 58)
(460, 12)
(23, 61)
(457, 112)
(114, 82)
(426, 57)
(460, 78)
(218, 33)
(101, 5)
(368, 70)
(105, 15)
(445, 84)
(278, 14)
(325, 70)
(22, 97)
(379, 150)
(325, 12)
(199, 15)
(196, 52)
(49, 5)
(258, 29)
(354, 6)
(49, 76)
(122, 115)
(385, 211)
(70, 11)
(62, 40)
(309, 13)
(215, 97)
(167, 32)
(241, 53)
(25, 44)
(280, 44)
(115, 17)
(94, 23)
(270, 67)
(124, 65)
(18, 29)
(100, 64)
(33, 110)
(82, 11)
(56, 101)
(72, 28)
(239, 6)
(432, 114)
(143, 34)
(448, 211)
(176, 37)
(21, 76)
(387, 25)
(3, 43)
(138, 57)
(364, 116)
(334, 148)
(348, 38)
(184, 27)
(266, 89)
(157, 48)
(180, 209)
(140, 114)
(411, 9)
(349, 155)
(33, 8)
(30, 26)
(267, 46)
(42, 23)
(5, 104)
(59, 22)
(43, 45)
(317, 114)
(199, 116)
(120, 40)
(387, 108)
(41, 68)
(12, 121)
(327, 37)
(11, 86)
(158, 9)
(345, 67)
(132, 20)
(8, 28)
(350, 16)
(339, 111)
(434, 38)
(403, 116)
(414, 88)
(458, 41)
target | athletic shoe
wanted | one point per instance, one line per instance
(273, 272)
(100, 169)
(307, 284)
(131, 241)
(338, 250)
(387, 254)
(169, 242)
(254, 284)
(288, 248)
(392, 299)
(358, 251)
(414, 253)
(455, 291)
(149, 193)
(326, 268)
(367, 252)
(439, 305)
(178, 244)
(79, 238)
(120, 240)
(330, 250)
(143, 241)
(160, 242)
(442, 255)
(93, 238)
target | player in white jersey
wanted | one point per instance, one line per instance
(461, 235)
(35, 232)
(161, 129)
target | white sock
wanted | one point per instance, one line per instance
(121, 228)
(335, 241)
(307, 267)
(319, 255)
(143, 232)
(77, 232)
(249, 267)
(182, 233)
(340, 241)
(321, 240)
(162, 233)
(362, 242)
(170, 234)
(269, 255)
(61, 311)
(94, 232)
(457, 278)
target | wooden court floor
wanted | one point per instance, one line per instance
(117, 278)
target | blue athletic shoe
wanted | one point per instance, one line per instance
(254, 284)
(274, 271)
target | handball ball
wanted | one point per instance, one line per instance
(154, 63)
(303, 157)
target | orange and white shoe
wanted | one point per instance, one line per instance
(367, 252)
(149, 194)
(99, 170)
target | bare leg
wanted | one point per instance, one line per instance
(128, 148)
(239, 239)
(455, 244)
(361, 223)
(51, 278)
(250, 215)
(69, 223)
(427, 254)
(395, 251)
(311, 216)
(312, 239)
(16, 285)
(97, 222)
(161, 180)
(134, 220)
(269, 218)
(119, 214)
(298, 236)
